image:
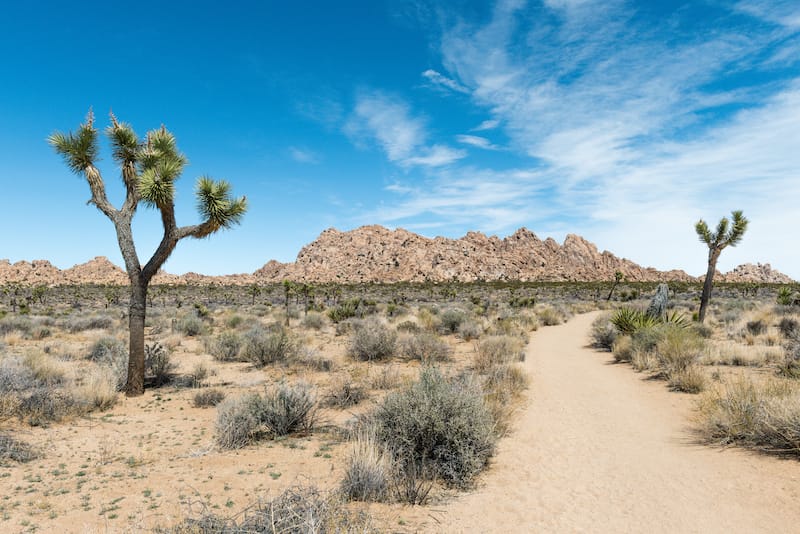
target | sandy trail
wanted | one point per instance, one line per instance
(601, 449)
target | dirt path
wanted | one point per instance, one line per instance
(601, 449)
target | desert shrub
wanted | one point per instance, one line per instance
(549, 316)
(285, 409)
(765, 416)
(46, 371)
(15, 323)
(450, 319)
(469, 330)
(756, 327)
(351, 308)
(158, 365)
(643, 360)
(498, 350)
(344, 393)
(372, 340)
(112, 353)
(314, 321)
(312, 359)
(45, 405)
(298, 510)
(75, 324)
(646, 339)
(428, 319)
(408, 326)
(425, 347)
(208, 397)
(438, 424)
(677, 350)
(622, 349)
(603, 333)
(15, 450)
(788, 326)
(190, 325)
(629, 320)
(267, 346)
(368, 469)
(344, 327)
(238, 423)
(226, 347)
(790, 365)
(508, 381)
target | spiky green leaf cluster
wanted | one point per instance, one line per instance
(216, 205)
(160, 165)
(726, 234)
(124, 142)
(629, 320)
(79, 149)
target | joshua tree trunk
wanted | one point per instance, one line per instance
(136, 318)
(713, 256)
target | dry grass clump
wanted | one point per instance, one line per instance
(450, 320)
(761, 415)
(425, 347)
(96, 388)
(298, 510)
(111, 353)
(75, 324)
(677, 353)
(368, 471)
(282, 410)
(372, 340)
(313, 321)
(498, 350)
(503, 386)
(470, 329)
(551, 316)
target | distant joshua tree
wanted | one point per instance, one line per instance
(725, 235)
(618, 276)
(149, 168)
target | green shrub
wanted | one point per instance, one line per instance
(267, 346)
(425, 347)
(677, 350)
(450, 319)
(190, 325)
(549, 316)
(286, 408)
(226, 347)
(440, 424)
(372, 340)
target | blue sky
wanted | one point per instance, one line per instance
(624, 122)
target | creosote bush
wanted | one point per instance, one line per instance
(226, 347)
(372, 340)
(439, 425)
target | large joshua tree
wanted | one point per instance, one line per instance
(726, 234)
(149, 168)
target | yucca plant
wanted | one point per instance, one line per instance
(150, 167)
(629, 320)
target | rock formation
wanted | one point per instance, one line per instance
(377, 254)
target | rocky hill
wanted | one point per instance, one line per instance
(377, 254)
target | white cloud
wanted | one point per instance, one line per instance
(477, 141)
(303, 155)
(388, 121)
(488, 124)
(783, 12)
(443, 81)
(632, 137)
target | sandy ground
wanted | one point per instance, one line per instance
(602, 449)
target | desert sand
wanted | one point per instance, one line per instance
(600, 448)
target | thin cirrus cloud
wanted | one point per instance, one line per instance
(477, 141)
(632, 136)
(303, 155)
(437, 79)
(388, 121)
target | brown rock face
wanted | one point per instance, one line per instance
(376, 254)
(756, 273)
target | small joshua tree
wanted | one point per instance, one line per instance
(149, 168)
(725, 235)
(618, 276)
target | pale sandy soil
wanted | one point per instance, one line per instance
(602, 449)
